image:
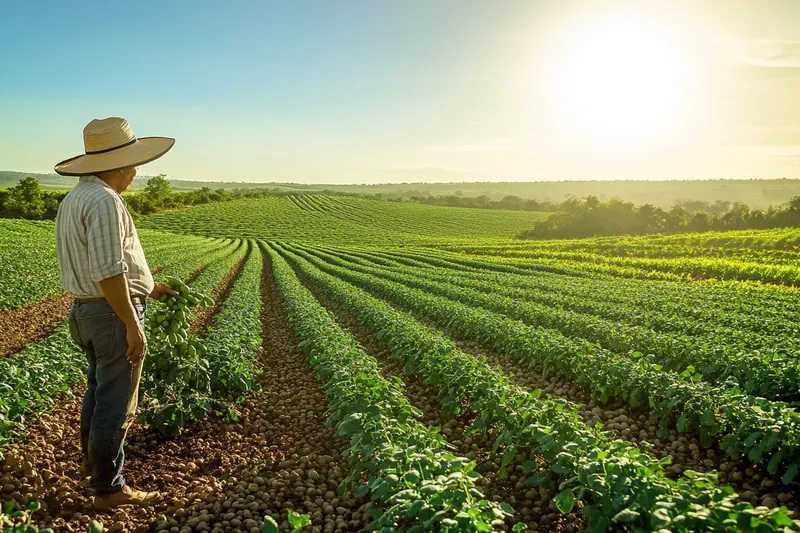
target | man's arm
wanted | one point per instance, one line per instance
(115, 289)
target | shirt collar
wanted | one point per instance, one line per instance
(95, 179)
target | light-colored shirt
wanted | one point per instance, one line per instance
(96, 240)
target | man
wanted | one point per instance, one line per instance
(102, 264)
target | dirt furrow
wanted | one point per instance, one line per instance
(31, 322)
(204, 316)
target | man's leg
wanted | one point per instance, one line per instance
(87, 406)
(117, 383)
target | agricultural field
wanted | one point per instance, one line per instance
(342, 364)
(341, 220)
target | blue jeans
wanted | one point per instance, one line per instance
(109, 405)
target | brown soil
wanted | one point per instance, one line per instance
(216, 475)
(31, 322)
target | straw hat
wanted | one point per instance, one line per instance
(111, 145)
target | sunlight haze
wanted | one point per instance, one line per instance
(439, 91)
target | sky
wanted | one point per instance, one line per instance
(365, 91)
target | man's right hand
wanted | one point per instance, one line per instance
(137, 344)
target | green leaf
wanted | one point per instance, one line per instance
(790, 473)
(774, 463)
(752, 438)
(755, 455)
(659, 519)
(626, 515)
(565, 501)
(662, 433)
(682, 423)
(94, 527)
(519, 526)
(538, 479)
(298, 521)
(708, 418)
(269, 525)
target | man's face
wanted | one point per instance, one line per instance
(127, 177)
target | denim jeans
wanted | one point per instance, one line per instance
(109, 405)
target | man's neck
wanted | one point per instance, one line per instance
(112, 181)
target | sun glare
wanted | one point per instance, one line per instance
(620, 81)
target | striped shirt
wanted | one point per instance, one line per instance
(96, 240)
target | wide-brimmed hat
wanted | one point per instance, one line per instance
(111, 145)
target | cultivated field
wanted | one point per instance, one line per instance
(415, 368)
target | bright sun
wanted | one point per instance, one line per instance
(621, 80)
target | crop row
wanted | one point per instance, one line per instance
(765, 431)
(419, 486)
(717, 358)
(661, 268)
(700, 303)
(186, 379)
(353, 220)
(623, 487)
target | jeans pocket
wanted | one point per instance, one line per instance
(73, 329)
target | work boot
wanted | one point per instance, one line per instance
(126, 496)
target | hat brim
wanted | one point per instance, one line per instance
(144, 150)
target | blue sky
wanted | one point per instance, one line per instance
(387, 91)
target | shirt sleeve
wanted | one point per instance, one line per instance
(105, 234)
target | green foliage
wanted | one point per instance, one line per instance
(762, 370)
(623, 486)
(176, 378)
(28, 200)
(298, 521)
(761, 256)
(344, 220)
(185, 378)
(29, 267)
(711, 409)
(590, 217)
(418, 485)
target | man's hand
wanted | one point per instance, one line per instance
(160, 289)
(137, 343)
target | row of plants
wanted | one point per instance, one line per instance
(692, 308)
(623, 487)
(716, 358)
(666, 268)
(686, 307)
(766, 432)
(355, 220)
(398, 462)
(218, 266)
(185, 377)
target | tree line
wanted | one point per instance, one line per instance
(29, 200)
(589, 217)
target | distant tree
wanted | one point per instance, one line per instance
(26, 199)
(157, 190)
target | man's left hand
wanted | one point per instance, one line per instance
(160, 289)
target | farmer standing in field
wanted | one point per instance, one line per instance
(102, 264)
